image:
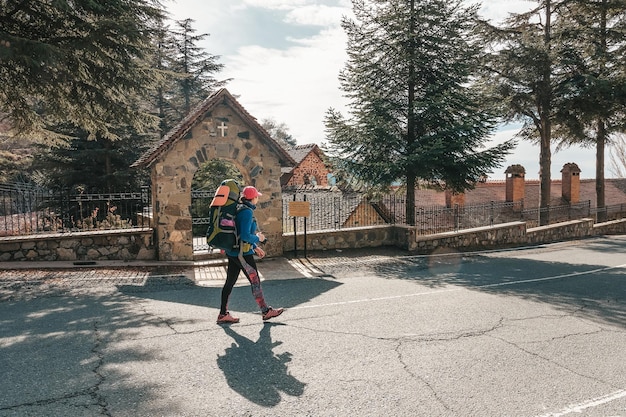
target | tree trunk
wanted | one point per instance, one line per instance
(545, 154)
(107, 163)
(600, 196)
(545, 159)
(601, 138)
(410, 200)
(410, 176)
(601, 133)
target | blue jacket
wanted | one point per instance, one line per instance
(247, 228)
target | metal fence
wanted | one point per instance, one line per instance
(438, 219)
(334, 211)
(26, 211)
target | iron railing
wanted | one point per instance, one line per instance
(27, 211)
(334, 211)
(432, 220)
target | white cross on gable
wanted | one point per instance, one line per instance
(223, 128)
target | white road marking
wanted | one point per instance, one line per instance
(453, 289)
(576, 408)
(579, 408)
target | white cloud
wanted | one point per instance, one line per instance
(497, 11)
(295, 86)
(527, 155)
(292, 75)
(319, 15)
(276, 4)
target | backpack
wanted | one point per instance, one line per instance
(222, 231)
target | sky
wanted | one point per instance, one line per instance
(284, 58)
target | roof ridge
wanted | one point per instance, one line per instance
(195, 116)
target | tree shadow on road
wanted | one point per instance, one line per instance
(281, 293)
(62, 350)
(255, 372)
(596, 291)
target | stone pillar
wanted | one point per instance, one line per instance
(515, 183)
(570, 175)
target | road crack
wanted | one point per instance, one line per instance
(93, 392)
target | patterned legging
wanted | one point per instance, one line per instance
(248, 266)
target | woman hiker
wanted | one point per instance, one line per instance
(249, 239)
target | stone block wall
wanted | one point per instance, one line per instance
(126, 245)
(502, 235)
(137, 244)
(506, 235)
(614, 227)
(354, 238)
(574, 229)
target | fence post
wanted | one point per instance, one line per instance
(305, 217)
(295, 234)
(64, 204)
(145, 202)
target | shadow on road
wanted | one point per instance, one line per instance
(255, 372)
(596, 291)
(281, 293)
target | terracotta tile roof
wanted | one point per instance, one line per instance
(425, 197)
(196, 115)
(486, 192)
(615, 193)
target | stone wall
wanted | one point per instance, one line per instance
(352, 238)
(404, 237)
(137, 244)
(499, 236)
(502, 235)
(614, 227)
(128, 244)
(574, 229)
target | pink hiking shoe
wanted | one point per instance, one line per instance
(227, 319)
(271, 313)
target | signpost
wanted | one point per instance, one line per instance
(299, 209)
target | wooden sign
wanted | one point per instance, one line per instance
(299, 208)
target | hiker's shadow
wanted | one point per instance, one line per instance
(255, 372)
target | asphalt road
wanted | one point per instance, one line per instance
(531, 332)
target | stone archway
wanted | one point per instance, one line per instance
(219, 128)
(206, 180)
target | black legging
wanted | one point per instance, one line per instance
(232, 274)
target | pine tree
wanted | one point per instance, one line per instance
(414, 113)
(523, 72)
(76, 62)
(162, 59)
(593, 34)
(195, 69)
(92, 165)
(187, 73)
(279, 132)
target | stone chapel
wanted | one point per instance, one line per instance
(219, 127)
